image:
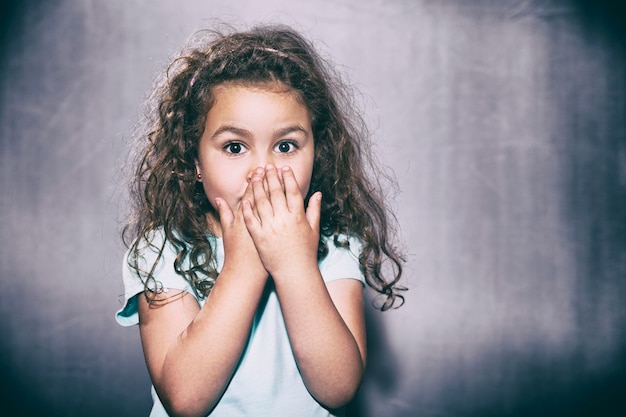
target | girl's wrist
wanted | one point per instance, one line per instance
(294, 270)
(244, 268)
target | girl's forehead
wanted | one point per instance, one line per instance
(269, 87)
(275, 87)
(256, 105)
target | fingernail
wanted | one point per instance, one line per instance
(259, 170)
(269, 166)
(286, 168)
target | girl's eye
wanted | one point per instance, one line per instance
(233, 147)
(286, 147)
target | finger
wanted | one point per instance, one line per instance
(295, 200)
(226, 216)
(250, 219)
(248, 195)
(261, 198)
(313, 211)
(224, 211)
(275, 188)
(256, 172)
(280, 178)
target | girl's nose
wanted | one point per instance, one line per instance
(255, 171)
(263, 161)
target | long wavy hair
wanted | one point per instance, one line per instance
(166, 197)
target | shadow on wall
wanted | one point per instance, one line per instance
(596, 192)
(9, 11)
(587, 376)
(15, 393)
(606, 16)
(598, 395)
(381, 376)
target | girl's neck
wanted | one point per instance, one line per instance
(215, 227)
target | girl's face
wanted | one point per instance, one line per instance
(250, 127)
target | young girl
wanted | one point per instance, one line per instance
(254, 228)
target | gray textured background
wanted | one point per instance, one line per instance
(505, 124)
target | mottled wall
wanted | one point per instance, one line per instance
(503, 120)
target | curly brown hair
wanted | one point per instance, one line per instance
(166, 196)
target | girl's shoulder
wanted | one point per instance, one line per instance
(342, 260)
(156, 244)
(149, 264)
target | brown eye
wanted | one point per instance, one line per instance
(286, 147)
(233, 148)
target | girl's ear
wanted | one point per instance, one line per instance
(198, 173)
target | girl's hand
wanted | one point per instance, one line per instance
(324, 321)
(285, 235)
(239, 249)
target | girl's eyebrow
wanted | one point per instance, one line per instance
(231, 129)
(238, 131)
(290, 129)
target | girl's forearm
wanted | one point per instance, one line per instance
(327, 352)
(200, 361)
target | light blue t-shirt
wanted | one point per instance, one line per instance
(267, 381)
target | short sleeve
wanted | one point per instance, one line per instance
(164, 274)
(342, 262)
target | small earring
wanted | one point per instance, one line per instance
(199, 176)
